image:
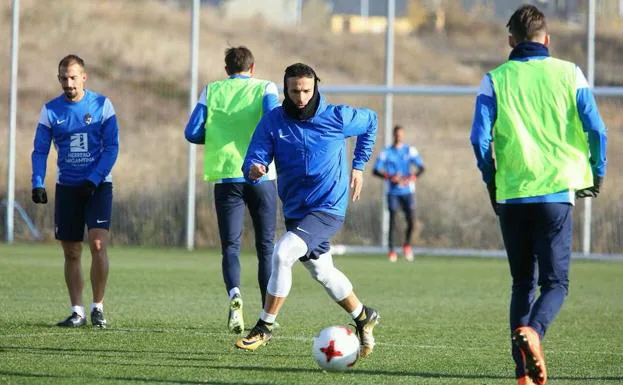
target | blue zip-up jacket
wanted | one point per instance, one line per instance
(486, 114)
(86, 138)
(310, 155)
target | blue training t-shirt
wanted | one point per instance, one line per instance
(86, 138)
(398, 161)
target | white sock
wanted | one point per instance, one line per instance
(355, 313)
(98, 306)
(267, 317)
(233, 292)
(79, 310)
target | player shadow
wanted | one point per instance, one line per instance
(102, 352)
(457, 376)
(124, 379)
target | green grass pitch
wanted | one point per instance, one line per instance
(444, 321)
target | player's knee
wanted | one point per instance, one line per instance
(320, 274)
(72, 251)
(72, 255)
(555, 284)
(288, 250)
(98, 248)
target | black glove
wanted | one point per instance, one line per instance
(491, 189)
(593, 191)
(86, 189)
(39, 195)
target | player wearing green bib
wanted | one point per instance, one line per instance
(224, 120)
(549, 148)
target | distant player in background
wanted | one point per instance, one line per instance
(83, 126)
(400, 165)
(223, 121)
(306, 139)
(550, 148)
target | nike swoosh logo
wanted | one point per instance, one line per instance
(299, 229)
(245, 343)
(60, 121)
(98, 221)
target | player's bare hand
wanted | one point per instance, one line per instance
(256, 171)
(356, 182)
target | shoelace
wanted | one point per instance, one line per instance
(358, 332)
(257, 331)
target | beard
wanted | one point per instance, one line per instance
(305, 112)
(70, 93)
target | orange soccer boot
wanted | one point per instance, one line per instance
(407, 251)
(529, 343)
(393, 257)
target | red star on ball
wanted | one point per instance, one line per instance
(330, 351)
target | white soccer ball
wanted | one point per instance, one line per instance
(336, 348)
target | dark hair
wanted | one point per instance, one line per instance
(526, 23)
(238, 59)
(69, 60)
(300, 70)
(397, 127)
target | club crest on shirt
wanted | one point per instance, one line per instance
(87, 118)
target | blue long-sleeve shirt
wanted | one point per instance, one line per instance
(310, 155)
(485, 116)
(86, 137)
(195, 128)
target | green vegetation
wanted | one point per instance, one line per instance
(444, 321)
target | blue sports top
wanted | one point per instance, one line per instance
(486, 113)
(398, 161)
(310, 155)
(195, 128)
(86, 138)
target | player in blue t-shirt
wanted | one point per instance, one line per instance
(83, 126)
(395, 165)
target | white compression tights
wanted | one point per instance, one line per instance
(287, 251)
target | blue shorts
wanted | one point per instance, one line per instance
(316, 229)
(71, 212)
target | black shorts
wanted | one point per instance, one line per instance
(72, 212)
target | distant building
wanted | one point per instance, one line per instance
(561, 9)
(273, 11)
(368, 16)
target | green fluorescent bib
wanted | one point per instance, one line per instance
(540, 147)
(234, 109)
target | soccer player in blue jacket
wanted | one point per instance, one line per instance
(83, 126)
(306, 139)
(400, 165)
(550, 148)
